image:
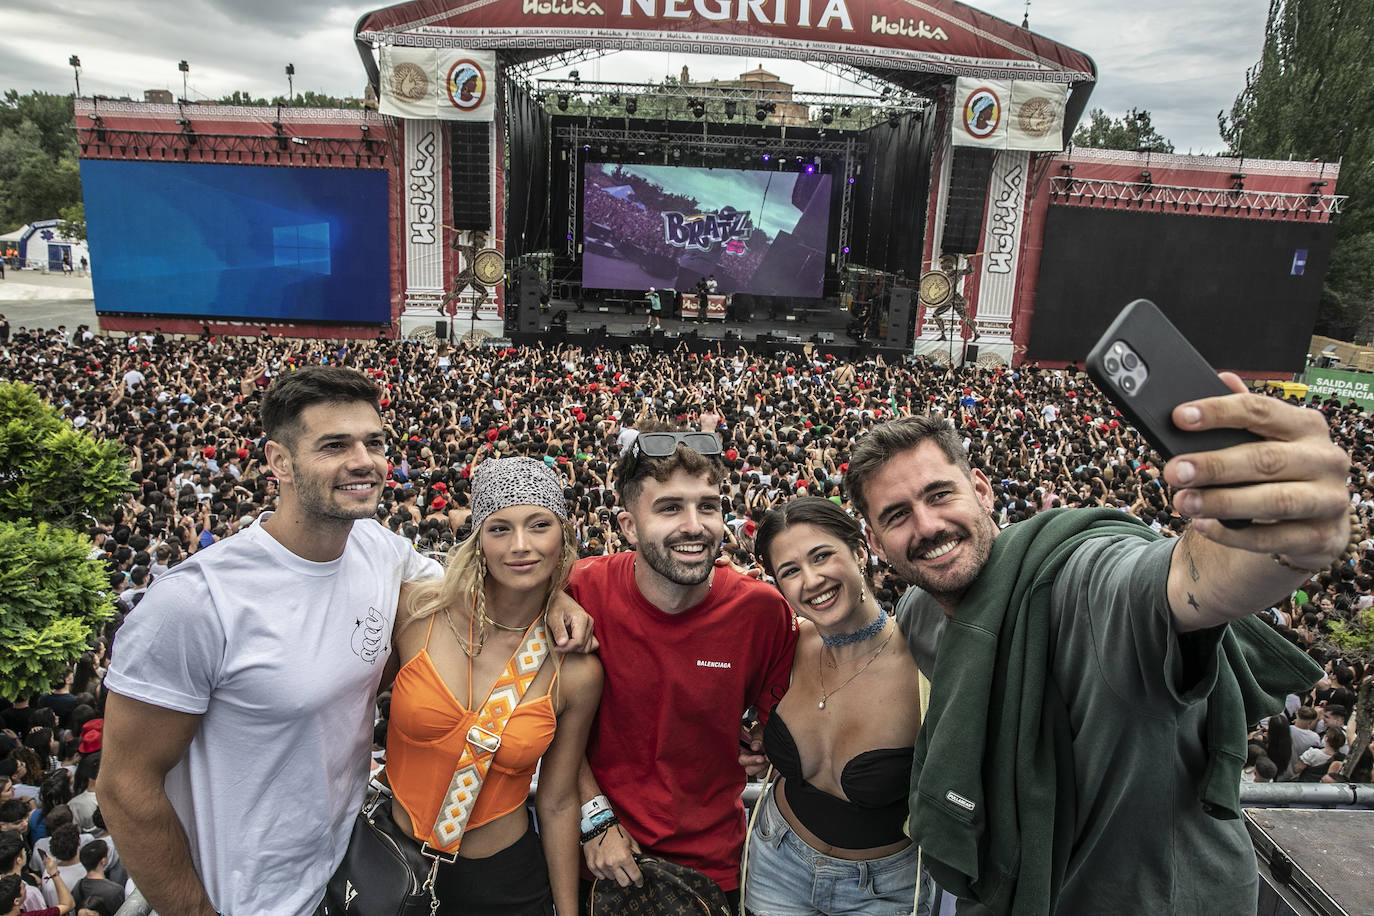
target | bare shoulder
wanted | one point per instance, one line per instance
(581, 676)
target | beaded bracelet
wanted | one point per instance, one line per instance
(1356, 532)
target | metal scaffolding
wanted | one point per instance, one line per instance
(1234, 201)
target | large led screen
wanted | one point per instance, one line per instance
(759, 232)
(238, 241)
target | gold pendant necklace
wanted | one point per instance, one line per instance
(820, 669)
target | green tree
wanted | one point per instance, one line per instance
(1131, 132)
(54, 598)
(39, 174)
(73, 224)
(51, 114)
(51, 476)
(50, 471)
(1310, 97)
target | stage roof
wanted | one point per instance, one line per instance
(878, 36)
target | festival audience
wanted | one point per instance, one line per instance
(186, 412)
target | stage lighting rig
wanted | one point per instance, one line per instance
(697, 107)
(187, 131)
(631, 105)
(827, 115)
(893, 119)
(731, 107)
(763, 110)
(99, 125)
(846, 112)
(562, 101)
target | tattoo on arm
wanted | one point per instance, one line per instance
(1193, 602)
(1192, 569)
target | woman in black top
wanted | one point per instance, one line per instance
(829, 835)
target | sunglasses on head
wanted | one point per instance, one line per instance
(662, 445)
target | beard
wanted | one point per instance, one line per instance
(316, 497)
(661, 560)
(949, 584)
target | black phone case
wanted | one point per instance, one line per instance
(1177, 373)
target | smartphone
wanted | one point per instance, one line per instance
(748, 724)
(1146, 367)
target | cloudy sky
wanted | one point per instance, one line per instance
(1180, 59)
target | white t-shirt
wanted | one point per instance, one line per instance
(281, 657)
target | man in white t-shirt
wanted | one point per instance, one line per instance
(242, 688)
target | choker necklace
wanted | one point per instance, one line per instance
(501, 626)
(859, 635)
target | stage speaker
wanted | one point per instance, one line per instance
(971, 355)
(969, 174)
(470, 173)
(529, 299)
(441, 330)
(898, 318)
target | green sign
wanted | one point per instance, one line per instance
(1341, 383)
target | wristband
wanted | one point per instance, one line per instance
(596, 820)
(597, 831)
(599, 803)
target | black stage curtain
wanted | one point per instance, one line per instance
(889, 210)
(527, 182)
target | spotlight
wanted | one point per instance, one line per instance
(698, 107)
(810, 169)
(893, 119)
(760, 114)
(562, 101)
(575, 76)
(730, 108)
(631, 105)
(615, 98)
(846, 112)
(766, 157)
(827, 115)
(846, 249)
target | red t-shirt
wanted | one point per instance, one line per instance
(665, 744)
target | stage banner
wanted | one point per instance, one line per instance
(1035, 117)
(409, 84)
(980, 113)
(467, 83)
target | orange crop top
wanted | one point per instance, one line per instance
(425, 739)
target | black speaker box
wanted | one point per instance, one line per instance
(898, 318)
(970, 354)
(529, 299)
(441, 330)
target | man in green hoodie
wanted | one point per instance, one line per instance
(1100, 678)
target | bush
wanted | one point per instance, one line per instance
(54, 597)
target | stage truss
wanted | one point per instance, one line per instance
(1235, 200)
(845, 149)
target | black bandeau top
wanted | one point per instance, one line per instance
(876, 783)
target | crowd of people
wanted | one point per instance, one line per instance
(187, 411)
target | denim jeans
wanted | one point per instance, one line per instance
(786, 877)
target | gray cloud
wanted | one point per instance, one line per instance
(1182, 60)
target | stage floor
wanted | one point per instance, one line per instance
(803, 326)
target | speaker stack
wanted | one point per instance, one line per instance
(899, 313)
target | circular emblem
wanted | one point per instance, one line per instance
(488, 267)
(935, 289)
(467, 85)
(409, 82)
(1036, 117)
(982, 113)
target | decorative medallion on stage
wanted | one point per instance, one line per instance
(982, 113)
(467, 84)
(936, 289)
(488, 267)
(409, 82)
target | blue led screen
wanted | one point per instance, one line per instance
(238, 241)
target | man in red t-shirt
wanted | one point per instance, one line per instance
(687, 647)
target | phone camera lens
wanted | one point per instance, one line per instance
(1113, 365)
(1130, 361)
(1128, 383)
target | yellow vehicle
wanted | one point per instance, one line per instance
(1287, 389)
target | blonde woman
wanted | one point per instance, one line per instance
(472, 644)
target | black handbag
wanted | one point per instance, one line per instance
(384, 872)
(669, 890)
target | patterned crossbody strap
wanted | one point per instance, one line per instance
(484, 737)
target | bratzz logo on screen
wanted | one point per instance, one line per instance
(726, 227)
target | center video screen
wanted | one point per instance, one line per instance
(759, 232)
(238, 241)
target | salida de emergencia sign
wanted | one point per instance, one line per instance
(1343, 384)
